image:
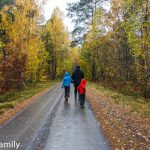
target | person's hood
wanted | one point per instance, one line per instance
(67, 74)
(83, 82)
(77, 68)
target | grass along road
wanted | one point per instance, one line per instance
(13, 102)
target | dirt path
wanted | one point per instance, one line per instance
(49, 124)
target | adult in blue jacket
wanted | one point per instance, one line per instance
(66, 85)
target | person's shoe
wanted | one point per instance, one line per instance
(82, 106)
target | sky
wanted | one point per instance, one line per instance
(62, 4)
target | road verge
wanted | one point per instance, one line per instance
(125, 127)
(21, 99)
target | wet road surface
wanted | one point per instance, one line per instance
(49, 124)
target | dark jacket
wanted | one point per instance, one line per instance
(77, 76)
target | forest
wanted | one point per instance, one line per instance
(110, 41)
(31, 51)
(115, 41)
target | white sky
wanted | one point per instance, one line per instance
(51, 4)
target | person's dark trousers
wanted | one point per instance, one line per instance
(75, 91)
(82, 99)
(67, 91)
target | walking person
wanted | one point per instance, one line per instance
(66, 85)
(82, 90)
(77, 76)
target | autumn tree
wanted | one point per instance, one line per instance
(22, 43)
(137, 26)
(116, 43)
(57, 44)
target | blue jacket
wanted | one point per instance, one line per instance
(67, 80)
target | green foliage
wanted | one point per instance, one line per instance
(82, 14)
(6, 2)
(116, 44)
(57, 44)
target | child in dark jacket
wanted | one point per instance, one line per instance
(66, 85)
(82, 90)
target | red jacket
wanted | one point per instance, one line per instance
(81, 87)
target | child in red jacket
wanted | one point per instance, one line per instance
(82, 90)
